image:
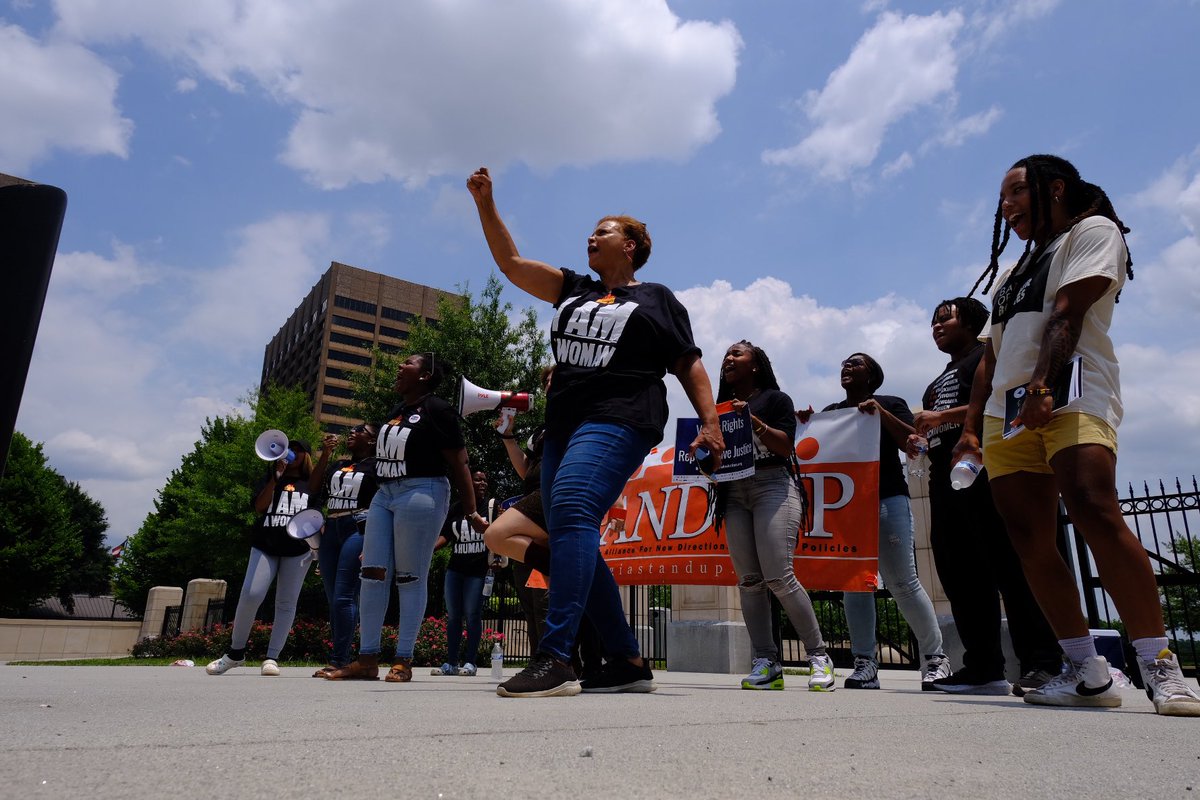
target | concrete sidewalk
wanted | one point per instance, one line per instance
(153, 732)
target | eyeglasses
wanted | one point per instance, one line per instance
(359, 429)
(854, 362)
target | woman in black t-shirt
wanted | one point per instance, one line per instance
(418, 452)
(762, 516)
(613, 339)
(282, 494)
(346, 488)
(861, 378)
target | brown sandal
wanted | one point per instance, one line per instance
(366, 668)
(324, 671)
(401, 671)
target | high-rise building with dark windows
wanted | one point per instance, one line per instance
(332, 331)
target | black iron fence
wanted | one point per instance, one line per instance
(1164, 522)
(214, 614)
(172, 619)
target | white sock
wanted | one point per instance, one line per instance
(1078, 649)
(1149, 648)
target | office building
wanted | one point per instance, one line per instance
(332, 331)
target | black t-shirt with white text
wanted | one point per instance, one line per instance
(411, 442)
(612, 350)
(349, 485)
(951, 389)
(469, 555)
(777, 411)
(270, 531)
(891, 475)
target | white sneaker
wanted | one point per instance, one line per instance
(820, 679)
(935, 667)
(467, 670)
(1085, 684)
(764, 674)
(223, 665)
(269, 668)
(1166, 688)
(443, 671)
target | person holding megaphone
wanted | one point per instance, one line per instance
(281, 495)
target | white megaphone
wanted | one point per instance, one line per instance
(472, 398)
(272, 445)
(306, 524)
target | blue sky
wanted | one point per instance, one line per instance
(816, 176)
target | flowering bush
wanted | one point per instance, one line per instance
(308, 641)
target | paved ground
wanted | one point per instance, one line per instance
(153, 732)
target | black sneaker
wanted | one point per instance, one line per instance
(545, 676)
(621, 676)
(968, 681)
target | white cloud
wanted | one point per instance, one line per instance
(186, 85)
(1008, 15)
(969, 127)
(901, 163)
(901, 65)
(543, 83)
(56, 95)
(236, 308)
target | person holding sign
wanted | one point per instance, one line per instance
(614, 338)
(1056, 302)
(762, 515)
(279, 496)
(861, 378)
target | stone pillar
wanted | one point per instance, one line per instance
(195, 607)
(157, 600)
(706, 632)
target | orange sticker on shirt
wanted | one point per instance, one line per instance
(607, 299)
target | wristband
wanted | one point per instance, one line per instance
(1043, 392)
(503, 436)
(759, 430)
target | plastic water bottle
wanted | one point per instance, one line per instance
(965, 472)
(497, 661)
(488, 581)
(916, 464)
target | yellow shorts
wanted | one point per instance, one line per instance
(1031, 451)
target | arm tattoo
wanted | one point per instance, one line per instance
(1058, 345)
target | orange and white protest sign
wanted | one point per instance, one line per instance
(668, 536)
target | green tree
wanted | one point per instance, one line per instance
(38, 540)
(91, 572)
(483, 340)
(202, 517)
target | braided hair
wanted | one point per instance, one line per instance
(1080, 198)
(764, 378)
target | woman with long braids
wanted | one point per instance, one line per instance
(762, 515)
(418, 452)
(613, 338)
(1055, 303)
(279, 496)
(347, 487)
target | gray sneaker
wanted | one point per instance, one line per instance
(1032, 679)
(1166, 688)
(937, 667)
(765, 674)
(865, 675)
(820, 678)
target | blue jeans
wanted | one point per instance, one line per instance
(261, 570)
(898, 567)
(341, 545)
(402, 527)
(464, 598)
(581, 479)
(762, 526)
